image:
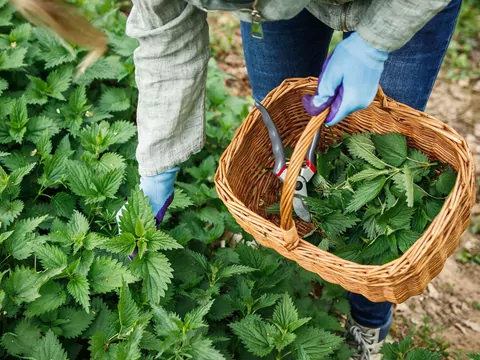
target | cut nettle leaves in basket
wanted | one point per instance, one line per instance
(373, 197)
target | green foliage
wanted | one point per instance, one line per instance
(376, 199)
(67, 166)
(405, 350)
(465, 41)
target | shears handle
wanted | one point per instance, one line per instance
(277, 146)
(276, 140)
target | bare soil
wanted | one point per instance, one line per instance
(452, 300)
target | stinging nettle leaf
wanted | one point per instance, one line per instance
(106, 274)
(78, 287)
(128, 310)
(391, 147)
(445, 182)
(404, 180)
(366, 192)
(49, 348)
(361, 146)
(51, 297)
(255, 334)
(156, 272)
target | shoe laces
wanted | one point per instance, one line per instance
(364, 340)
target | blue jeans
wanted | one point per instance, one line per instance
(298, 48)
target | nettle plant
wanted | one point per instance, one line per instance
(67, 165)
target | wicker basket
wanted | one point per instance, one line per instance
(246, 185)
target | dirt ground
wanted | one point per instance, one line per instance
(452, 300)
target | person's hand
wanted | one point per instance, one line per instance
(348, 81)
(159, 189)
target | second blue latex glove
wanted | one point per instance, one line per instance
(349, 80)
(159, 189)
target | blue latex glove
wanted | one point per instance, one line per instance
(159, 189)
(349, 80)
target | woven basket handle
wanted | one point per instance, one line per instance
(290, 234)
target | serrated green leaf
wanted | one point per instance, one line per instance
(405, 239)
(228, 271)
(423, 354)
(391, 147)
(121, 131)
(285, 315)
(361, 146)
(50, 256)
(445, 183)
(79, 179)
(194, 318)
(73, 322)
(316, 343)
(123, 46)
(51, 297)
(266, 300)
(337, 223)
(105, 68)
(106, 274)
(159, 240)
(106, 186)
(18, 119)
(49, 348)
(318, 207)
(137, 206)
(165, 322)
(78, 287)
(12, 58)
(156, 272)
(398, 217)
(256, 335)
(23, 285)
(202, 349)
(58, 81)
(130, 349)
(23, 340)
(199, 259)
(105, 320)
(53, 51)
(367, 174)
(109, 162)
(63, 204)
(114, 99)
(405, 181)
(123, 244)
(18, 244)
(128, 311)
(180, 200)
(376, 248)
(40, 126)
(9, 211)
(366, 192)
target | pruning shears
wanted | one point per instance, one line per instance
(280, 168)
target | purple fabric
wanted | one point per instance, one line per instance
(163, 210)
(333, 102)
(159, 218)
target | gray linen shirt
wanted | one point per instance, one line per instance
(171, 60)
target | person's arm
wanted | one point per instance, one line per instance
(171, 65)
(350, 76)
(389, 24)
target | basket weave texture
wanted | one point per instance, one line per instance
(246, 185)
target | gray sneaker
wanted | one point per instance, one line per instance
(366, 341)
